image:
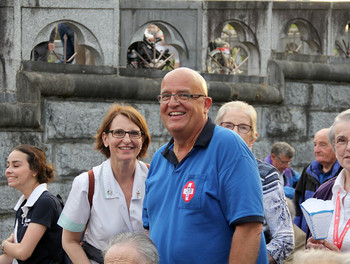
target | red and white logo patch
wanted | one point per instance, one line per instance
(188, 191)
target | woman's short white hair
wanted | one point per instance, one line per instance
(343, 116)
(238, 105)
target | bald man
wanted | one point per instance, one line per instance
(324, 167)
(203, 201)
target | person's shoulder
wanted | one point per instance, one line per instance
(144, 167)
(295, 173)
(160, 151)
(47, 199)
(81, 178)
(266, 170)
(161, 148)
(307, 167)
(223, 132)
(328, 185)
(226, 137)
(313, 165)
(263, 165)
(81, 182)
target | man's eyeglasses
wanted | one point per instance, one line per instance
(179, 97)
(120, 133)
(284, 162)
(242, 128)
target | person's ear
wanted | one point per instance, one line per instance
(207, 104)
(273, 156)
(105, 139)
(252, 140)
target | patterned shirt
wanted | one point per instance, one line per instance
(278, 222)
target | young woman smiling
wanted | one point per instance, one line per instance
(37, 211)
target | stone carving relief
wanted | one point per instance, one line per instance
(284, 122)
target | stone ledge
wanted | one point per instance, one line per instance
(106, 83)
(103, 83)
(39, 66)
(311, 68)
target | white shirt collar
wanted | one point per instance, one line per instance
(339, 184)
(34, 196)
(111, 188)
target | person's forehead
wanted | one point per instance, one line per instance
(181, 85)
(321, 136)
(121, 254)
(17, 155)
(182, 81)
(284, 157)
(342, 128)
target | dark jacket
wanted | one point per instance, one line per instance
(308, 184)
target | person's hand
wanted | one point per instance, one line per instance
(320, 244)
(51, 46)
(330, 246)
(11, 238)
(315, 244)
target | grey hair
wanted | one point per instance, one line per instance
(147, 250)
(238, 105)
(320, 256)
(280, 148)
(343, 116)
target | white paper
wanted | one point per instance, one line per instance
(318, 214)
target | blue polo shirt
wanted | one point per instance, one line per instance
(191, 208)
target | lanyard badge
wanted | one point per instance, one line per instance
(338, 241)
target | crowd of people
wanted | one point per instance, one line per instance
(204, 198)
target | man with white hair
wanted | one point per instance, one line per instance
(323, 168)
(131, 248)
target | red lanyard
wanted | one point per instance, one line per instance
(338, 241)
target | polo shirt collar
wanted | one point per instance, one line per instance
(202, 141)
(34, 196)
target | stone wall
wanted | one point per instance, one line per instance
(59, 107)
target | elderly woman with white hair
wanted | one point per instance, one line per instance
(278, 227)
(337, 189)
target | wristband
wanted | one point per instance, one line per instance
(2, 247)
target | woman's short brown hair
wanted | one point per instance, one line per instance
(131, 113)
